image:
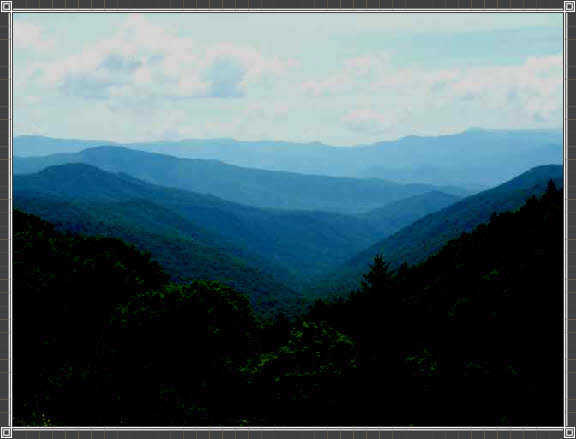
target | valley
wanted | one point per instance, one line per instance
(290, 286)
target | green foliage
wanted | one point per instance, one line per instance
(379, 276)
(110, 320)
(462, 322)
(307, 367)
(194, 338)
(129, 347)
(184, 250)
(67, 285)
(312, 349)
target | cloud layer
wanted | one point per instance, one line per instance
(532, 90)
(144, 60)
(144, 78)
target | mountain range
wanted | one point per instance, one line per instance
(294, 289)
(456, 159)
(254, 187)
(192, 234)
(199, 235)
(460, 321)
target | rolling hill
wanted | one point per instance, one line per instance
(184, 249)
(252, 187)
(303, 243)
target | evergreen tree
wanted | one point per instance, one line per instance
(379, 276)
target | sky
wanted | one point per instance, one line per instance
(342, 79)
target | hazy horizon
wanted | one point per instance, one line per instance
(86, 139)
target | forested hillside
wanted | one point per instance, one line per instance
(261, 250)
(305, 243)
(185, 250)
(461, 322)
(65, 287)
(428, 234)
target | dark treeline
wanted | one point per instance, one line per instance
(471, 336)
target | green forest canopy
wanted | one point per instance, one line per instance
(131, 348)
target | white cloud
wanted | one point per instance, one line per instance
(146, 60)
(532, 89)
(31, 36)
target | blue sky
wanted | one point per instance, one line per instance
(341, 79)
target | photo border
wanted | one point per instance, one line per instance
(567, 430)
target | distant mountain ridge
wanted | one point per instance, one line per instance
(254, 187)
(455, 159)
